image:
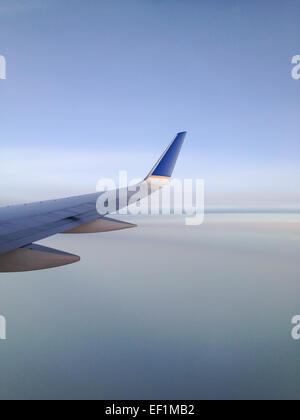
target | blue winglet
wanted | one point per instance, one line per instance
(166, 164)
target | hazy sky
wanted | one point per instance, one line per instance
(97, 86)
(158, 312)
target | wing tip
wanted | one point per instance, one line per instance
(166, 164)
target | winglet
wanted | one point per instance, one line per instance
(166, 164)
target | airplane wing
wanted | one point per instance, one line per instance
(22, 225)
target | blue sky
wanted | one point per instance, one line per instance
(97, 86)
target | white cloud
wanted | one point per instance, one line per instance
(32, 174)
